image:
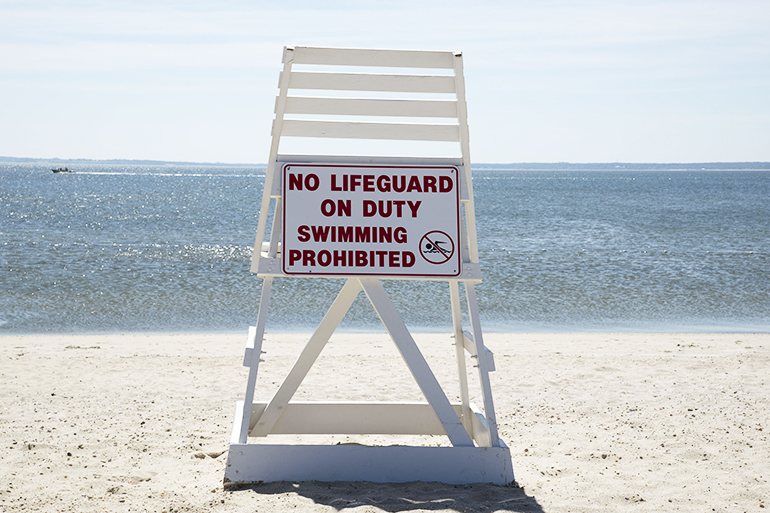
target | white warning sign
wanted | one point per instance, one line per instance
(371, 220)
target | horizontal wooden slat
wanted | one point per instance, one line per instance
(266, 247)
(362, 57)
(371, 82)
(361, 130)
(371, 107)
(366, 418)
(362, 418)
(254, 464)
(470, 346)
(250, 341)
(379, 160)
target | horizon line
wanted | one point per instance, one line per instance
(58, 160)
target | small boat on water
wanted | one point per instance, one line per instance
(60, 170)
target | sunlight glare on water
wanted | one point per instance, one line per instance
(168, 248)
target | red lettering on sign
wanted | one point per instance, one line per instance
(383, 183)
(341, 208)
(385, 208)
(323, 234)
(373, 183)
(311, 182)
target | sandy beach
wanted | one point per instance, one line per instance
(595, 422)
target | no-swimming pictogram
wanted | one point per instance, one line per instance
(436, 247)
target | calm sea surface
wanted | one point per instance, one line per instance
(114, 248)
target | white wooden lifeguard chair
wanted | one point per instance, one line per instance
(447, 253)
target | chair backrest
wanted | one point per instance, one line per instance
(347, 103)
(323, 93)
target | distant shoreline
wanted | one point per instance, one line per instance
(520, 166)
(125, 162)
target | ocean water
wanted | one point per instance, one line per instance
(127, 248)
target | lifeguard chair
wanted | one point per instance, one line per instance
(353, 106)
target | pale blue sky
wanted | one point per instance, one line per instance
(547, 81)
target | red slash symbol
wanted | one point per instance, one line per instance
(436, 247)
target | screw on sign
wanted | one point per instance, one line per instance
(436, 247)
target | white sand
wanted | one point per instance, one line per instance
(595, 422)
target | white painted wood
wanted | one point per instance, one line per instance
(269, 267)
(365, 418)
(486, 389)
(258, 463)
(462, 116)
(365, 130)
(317, 80)
(256, 351)
(480, 430)
(417, 365)
(277, 185)
(275, 231)
(371, 107)
(266, 250)
(363, 159)
(365, 57)
(270, 172)
(465, 196)
(306, 359)
(462, 373)
(249, 346)
(235, 434)
(464, 241)
(355, 418)
(444, 97)
(470, 346)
